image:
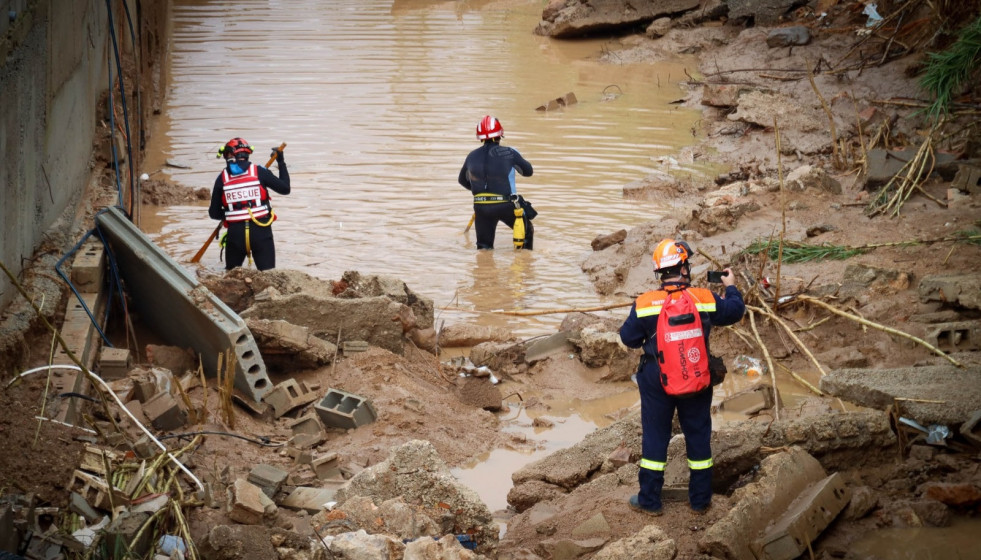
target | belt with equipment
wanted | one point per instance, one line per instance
(489, 198)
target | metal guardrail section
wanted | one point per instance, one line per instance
(174, 305)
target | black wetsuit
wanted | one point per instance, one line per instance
(488, 173)
(260, 237)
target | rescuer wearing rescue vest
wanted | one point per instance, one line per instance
(241, 198)
(488, 173)
(673, 371)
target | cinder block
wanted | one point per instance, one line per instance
(345, 410)
(327, 466)
(88, 268)
(792, 534)
(164, 412)
(288, 395)
(307, 424)
(114, 363)
(956, 336)
(267, 477)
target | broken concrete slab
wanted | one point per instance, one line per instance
(968, 178)
(954, 393)
(804, 521)
(181, 310)
(267, 477)
(555, 345)
(248, 504)
(961, 290)
(957, 336)
(749, 401)
(783, 477)
(165, 412)
(286, 346)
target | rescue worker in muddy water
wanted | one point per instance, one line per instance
(240, 198)
(672, 325)
(488, 173)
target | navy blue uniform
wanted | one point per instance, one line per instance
(657, 407)
(488, 173)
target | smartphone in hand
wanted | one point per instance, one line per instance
(715, 276)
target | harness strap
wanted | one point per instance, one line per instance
(248, 246)
(272, 218)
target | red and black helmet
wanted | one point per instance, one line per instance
(236, 147)
(489, 127)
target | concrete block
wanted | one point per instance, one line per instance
(165, 412)
(354, 346)
(884, 164)
(248, 504)
(88, 268)
(957, 336)
(792, 534)
(267, 477)
(345, 410)
(144, 388)
(114, 363)
(288, 395)
(302, 476)
(968, 178)
(327, 466)
(307, 441)
(312, 500)
(307, 424)
(182, 311)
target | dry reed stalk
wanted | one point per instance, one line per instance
(227, 389)
(880, 327)
(769, 363)
(800, 344)
(835, 156)
(783, 208)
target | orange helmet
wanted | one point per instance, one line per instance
(488, 128)
(235, 147)
(670, 253)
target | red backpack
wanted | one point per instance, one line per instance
(681, 351)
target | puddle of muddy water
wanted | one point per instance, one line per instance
(959, 541)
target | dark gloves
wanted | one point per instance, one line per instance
(278, 154)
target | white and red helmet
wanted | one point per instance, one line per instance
(489, 127)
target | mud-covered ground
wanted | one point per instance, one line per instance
(417, 397)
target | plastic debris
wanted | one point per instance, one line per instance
(874, 17)
(749, 366)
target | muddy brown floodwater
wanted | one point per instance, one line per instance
(378, 103)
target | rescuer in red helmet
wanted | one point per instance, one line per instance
(240, 197)
(672, 325)
(488, 173)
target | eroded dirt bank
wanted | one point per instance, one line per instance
(814, 191)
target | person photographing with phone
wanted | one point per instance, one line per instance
(672, 326)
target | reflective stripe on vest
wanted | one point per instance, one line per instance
(649, 304)
(700, 465)
(244, 196)
(652, 465)
(489, 198)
